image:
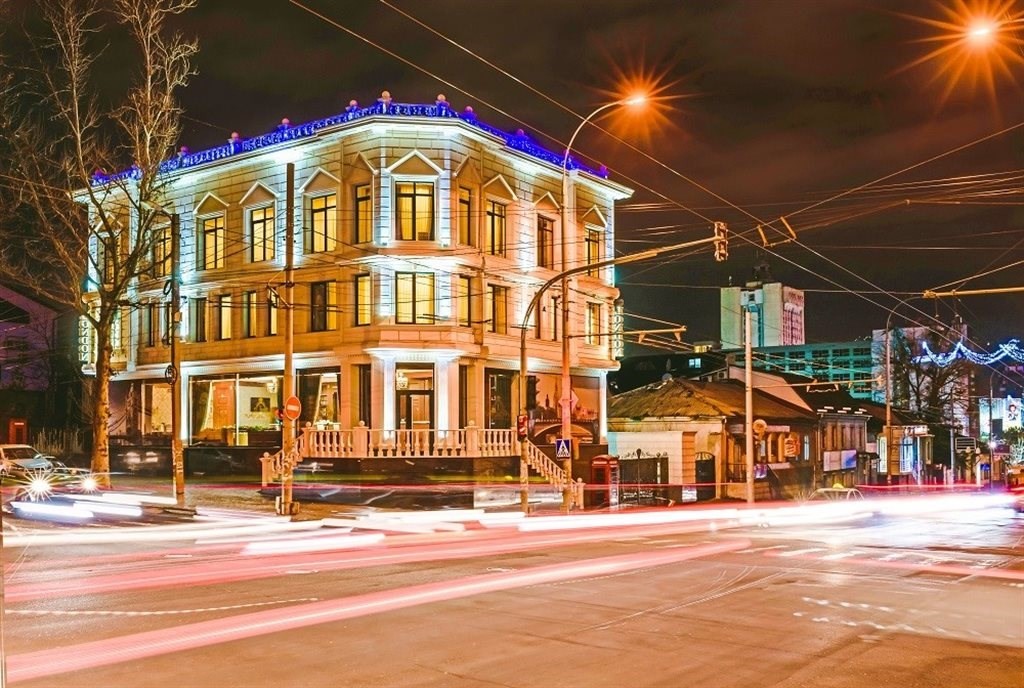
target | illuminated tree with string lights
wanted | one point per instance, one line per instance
(62, 118)
(937, 394)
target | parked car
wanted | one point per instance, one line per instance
(834, 494)
(21, 460)
(200, 460)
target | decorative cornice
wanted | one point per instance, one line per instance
(384, 107)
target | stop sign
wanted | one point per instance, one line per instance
(292, 408)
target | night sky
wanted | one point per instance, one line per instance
(773, 105)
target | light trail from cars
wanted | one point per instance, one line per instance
(49, 662)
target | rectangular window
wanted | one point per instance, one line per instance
(463, 396)
(414, 298)
(199, 320)
(466, 233)
(364, 300)
(249, 314)
(365, 380)
(364, 214)
(223, 315)
(415, 206)
(464, 311)
(592, 245)
(261, 234)
(162, 252)
(152, 323)
(497, 308)
(538, 321)
(168, 324)
(211, 243)
(593, 330)
(545, 242)
(323, 307)
(323, 228)
(495, 239)
(271, 314)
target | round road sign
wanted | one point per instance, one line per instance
(292, 408)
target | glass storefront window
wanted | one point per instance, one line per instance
(235, 410)
(156, 405)
(318, 392)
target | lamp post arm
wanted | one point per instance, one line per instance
(618, 260)
(583, 123)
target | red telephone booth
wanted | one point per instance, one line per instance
(603, 487)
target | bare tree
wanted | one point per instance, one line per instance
(938, 394)
(93, 233)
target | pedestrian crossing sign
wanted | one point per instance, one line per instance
(563, 449)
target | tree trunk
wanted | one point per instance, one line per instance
(100, 462)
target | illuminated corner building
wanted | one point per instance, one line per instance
(421, 233)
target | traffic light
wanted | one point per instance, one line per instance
(721, 241)
(531, 392)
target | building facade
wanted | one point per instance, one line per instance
(777, 315)
(420, 236)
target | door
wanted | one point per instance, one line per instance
(17, 431)
(415, 409)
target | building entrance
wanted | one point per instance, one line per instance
(414, 398)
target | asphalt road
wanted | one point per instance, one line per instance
(926, 600)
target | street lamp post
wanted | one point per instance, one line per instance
(719, 239)
(565, 402)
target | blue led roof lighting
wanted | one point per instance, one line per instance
(518, 141)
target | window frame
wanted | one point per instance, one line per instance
(268, 241)
(162, 252)
(249, 314)
(330, 220)
(496, 224)
(198, 308)
(463, 301)
(466, 234)
(592, 249)
(418, 281)
(222, 306)
(362, 213)
(592, 328)
(414, 215)
(362, 286)
(545, 242)
(497, 301)
(217, 231)
(328, 310)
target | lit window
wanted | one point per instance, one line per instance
(497, 309)
(261, 234)
(271, 314)
(364, 300)
(152, 323)
(364, 214)
(466, 217)
(495, 239)
(323, 307)
(593, 331)
(545, 242)
(464, 309)
(592, 241)
(323, 229)
(414, 298)
(162, 252)
(415, 211)
(223, 305)
(211, 243)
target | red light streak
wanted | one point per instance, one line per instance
(88, 655)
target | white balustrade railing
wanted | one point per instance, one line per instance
(368, 443)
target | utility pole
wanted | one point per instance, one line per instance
(174, 370)
(285, 505)
(566, 400)
(749, 398)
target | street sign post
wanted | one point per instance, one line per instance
(563, 449)
(292, 408)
